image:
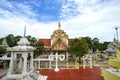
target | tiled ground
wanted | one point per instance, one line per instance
(73, 74)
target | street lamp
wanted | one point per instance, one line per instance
(56, 57)
(116, 28)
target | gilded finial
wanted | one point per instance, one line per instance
(59, 25)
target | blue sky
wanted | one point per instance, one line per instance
(79, 18)
(34, 9)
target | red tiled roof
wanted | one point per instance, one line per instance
(46, 42)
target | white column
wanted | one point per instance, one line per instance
(90, 62)
(84, 62)
(24, 55)
(49, 63)
(11, 64)
(15, 60)
(15, 56)
(56, 67)
(67, 56)
(39, 64)
(31, 61)
(20, 63)
(35, 65)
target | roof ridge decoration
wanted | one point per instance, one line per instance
(62, 41)
(59, 25)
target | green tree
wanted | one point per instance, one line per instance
(78, 47)
(32, 40)
(39, 48)
(11, 40)
(17, 38)
(103, 46)
(88, 40)
(1, 40)
(28, 37)
(2, 50)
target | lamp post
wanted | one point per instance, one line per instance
(56, 57)
(116, 28)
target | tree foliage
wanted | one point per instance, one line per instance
(32, 40)
(103, 46)
(88, 40)
(2, 50)
(1, 40)
(94, 44)
(39, 48)
(11, 40)
(79, 47)
(17, 38)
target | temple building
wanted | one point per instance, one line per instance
(58, 42)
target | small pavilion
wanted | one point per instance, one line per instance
(21, 62)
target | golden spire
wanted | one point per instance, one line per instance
(59, 25)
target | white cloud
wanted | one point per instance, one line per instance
(95, 18)
(81, 18)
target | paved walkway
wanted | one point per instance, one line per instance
(73, 74)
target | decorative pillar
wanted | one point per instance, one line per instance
(15, 60)
(76, 65)
(31, 60)
(67, 56)
(46, 65)
(90, 62)
(94, 63)
(38, 64)
(67, 65)
(11, 64)
(56, 67)
(35, 65)
(24, 55)
(84, 62)
(20, 63)
(15, 56)
(50, 64)
(50, 59)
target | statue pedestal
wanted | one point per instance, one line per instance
(56, 69)
(56, 56)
